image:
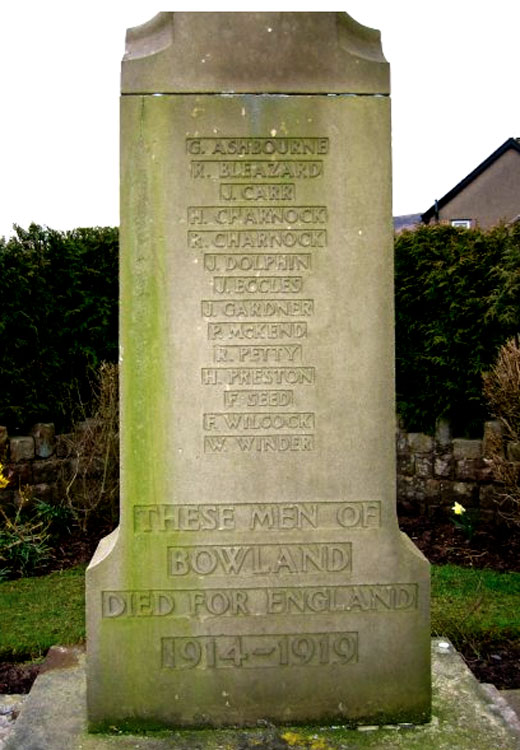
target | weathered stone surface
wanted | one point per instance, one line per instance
(466, 716)
(44, 439)
(419, 442)
(10, 706)
(406, 465)
(258, 572)
(460, 492)
(257, 53)
(493, 437)
(485, 472)
(406, 488)
(401, 442)
(443, 466)
(489, 496)
(21, 448)
(467, 469)
(419, 485)
(424, 466)
(46, 472)
(443, 433)
(513, 698)
(467, 448)
(433, 489)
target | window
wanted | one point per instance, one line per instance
(464, 223)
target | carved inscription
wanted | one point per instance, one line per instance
(211, 146)
(251, 216)
(225, 331)
(257, 243)
(256, 169)
(256, 308)
(258, 376)
(258, 353)
(223, 422)
(257, 284)
(251, 399)
(259, 559)
(365, 598)
(259, 443)
(270, 239)
(237, 602)
(257, 516)
(259, 651)
(229, 262)
(257, 192)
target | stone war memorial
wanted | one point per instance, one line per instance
(258, 572)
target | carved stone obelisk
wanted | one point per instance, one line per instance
(258, 571)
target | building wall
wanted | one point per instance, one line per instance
(494, 196)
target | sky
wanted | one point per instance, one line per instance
(454, 65)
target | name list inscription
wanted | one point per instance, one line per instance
(257, 243)
(256, 235)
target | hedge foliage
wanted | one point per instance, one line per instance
(58, 320)
(457, 301)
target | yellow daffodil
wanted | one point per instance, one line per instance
(319, 744)
(4, 481)
(292, 738)
(458, 509)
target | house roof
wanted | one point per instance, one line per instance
(510, 143)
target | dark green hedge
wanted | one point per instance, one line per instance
(457, 301)
(58, 320)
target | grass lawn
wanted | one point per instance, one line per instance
(475, 607)
(471, 607)
(36, 613)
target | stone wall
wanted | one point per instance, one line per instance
(435, 472)
(432, 472)
(39, 461)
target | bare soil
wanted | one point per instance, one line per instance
(17, 678)
(441, 542)
(497, 548)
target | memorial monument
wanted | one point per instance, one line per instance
(258, 572)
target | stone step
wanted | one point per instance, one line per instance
(513, 699)
(10, 707)
(466, 716)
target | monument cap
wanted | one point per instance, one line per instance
(254, 53)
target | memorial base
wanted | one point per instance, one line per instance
(466, 716)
